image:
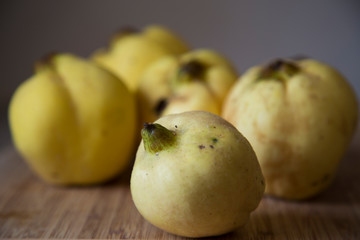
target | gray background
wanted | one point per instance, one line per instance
(247, 32)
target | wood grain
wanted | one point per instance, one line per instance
(29, 208)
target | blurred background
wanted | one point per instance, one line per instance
(247, 32)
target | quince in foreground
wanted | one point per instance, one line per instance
(195, 175)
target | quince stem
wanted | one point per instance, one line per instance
(157, 138)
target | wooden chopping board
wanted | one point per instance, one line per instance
(29, 208)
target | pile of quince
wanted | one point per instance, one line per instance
(77, 121)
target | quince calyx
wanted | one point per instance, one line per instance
(124, 31)
(193, 70)
(279, 69)
(46, 62)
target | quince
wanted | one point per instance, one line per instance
(73, 122)
(130, 52)
(299, 116)
(195, 175)
(197, 80)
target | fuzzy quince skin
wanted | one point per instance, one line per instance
(73, 122)
(299, 116)
(193, 97)
(197, 80)
(130, 52)
(195, 175)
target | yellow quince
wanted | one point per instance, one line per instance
(73, 122)
(197, 80)
(130, 52)
(299, 116)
